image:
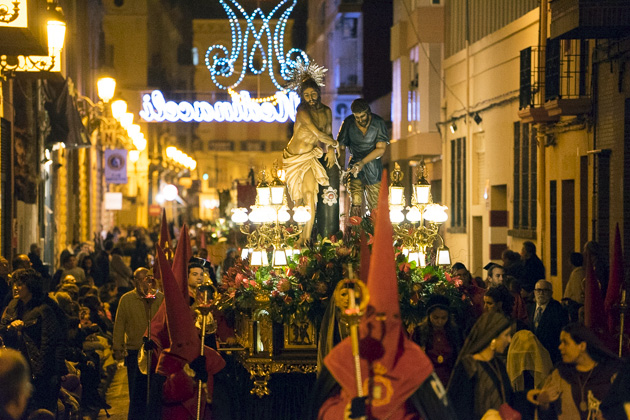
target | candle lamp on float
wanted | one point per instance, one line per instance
(416, 227)
(271, 217)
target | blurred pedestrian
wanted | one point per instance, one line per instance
(119, 272)
(15, 385)
(439, 336)
(576, 388)
(479, 382)
(36, 262)
(129, 327)
(573, 298)
(495, 275)
(532, 268)
(498, 299)
(69, 266)
(5, 286)
(31, 325)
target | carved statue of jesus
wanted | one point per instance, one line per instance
(304, 172)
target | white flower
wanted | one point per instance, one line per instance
(330, 196)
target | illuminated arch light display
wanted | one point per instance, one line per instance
(228, 68)
(242, 109)
(222, 63)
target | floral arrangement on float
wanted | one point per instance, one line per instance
(303, 288)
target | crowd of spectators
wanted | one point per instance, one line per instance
(63, 322)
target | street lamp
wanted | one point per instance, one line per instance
(56, 32)
(119, 108)
(106, 87)
(56, 28)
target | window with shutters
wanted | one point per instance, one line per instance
(458, 183)
(525, 188)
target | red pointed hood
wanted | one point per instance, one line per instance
(185, 341)
(165, 237)
(615, 283)
(183, 253)
(159, 327)
(398, 365)
(364, 267)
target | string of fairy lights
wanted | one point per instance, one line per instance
(223, 63)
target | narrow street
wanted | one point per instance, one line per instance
(117, 396)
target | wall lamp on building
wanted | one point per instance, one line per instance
(453, 127)
(477, 118)
(7, 16)
(56, 29)
(177, 157)
(411, 233)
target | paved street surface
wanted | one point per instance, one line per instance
(117, 396)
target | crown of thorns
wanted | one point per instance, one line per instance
(303, 72)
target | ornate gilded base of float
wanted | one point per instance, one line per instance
(270, 348)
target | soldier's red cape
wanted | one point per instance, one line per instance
(403, 366)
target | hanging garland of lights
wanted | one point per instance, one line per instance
(222, 63)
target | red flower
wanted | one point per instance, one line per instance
(370, 239)
(426, 277)
(355, 220)
(238, 279)
(290, 272)
(275, 293)
(283, 285)
(288, 299)
(404, 267)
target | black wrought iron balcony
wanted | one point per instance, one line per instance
(531, 83)
(568, 77)
(590, 19)
(565, 77)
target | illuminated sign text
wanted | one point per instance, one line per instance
(241, 109)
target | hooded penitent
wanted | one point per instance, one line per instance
(159, 328)
(393, 365)
(527, 354)
(184, 343)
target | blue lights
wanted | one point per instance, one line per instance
(267, 44)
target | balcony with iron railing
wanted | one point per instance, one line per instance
(565, 78)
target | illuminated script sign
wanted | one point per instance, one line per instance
(241, 109)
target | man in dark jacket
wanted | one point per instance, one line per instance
(30, 325)
(36, 262)
(532, 268)
(547, 317)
